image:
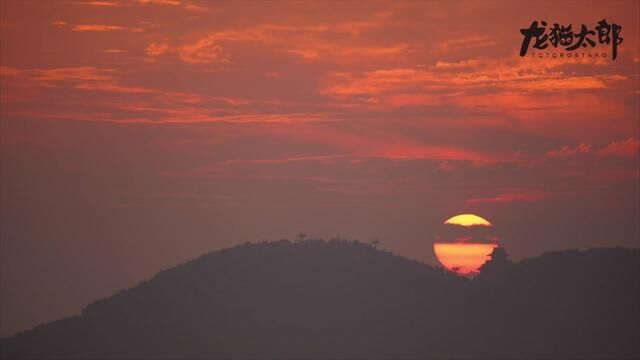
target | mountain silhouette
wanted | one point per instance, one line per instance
(346, 299)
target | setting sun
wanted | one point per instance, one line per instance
(468, 220)
(464, 243)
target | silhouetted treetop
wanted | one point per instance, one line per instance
(498, 264)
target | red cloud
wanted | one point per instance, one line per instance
(509, 197)
(623, 148)
(566, 151)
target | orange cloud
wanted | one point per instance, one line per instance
(129, 3)
(203, 51)
(82, 73)
(136, 104)
(161, 2)
(464, 43)
(97, 27)
(8, 71)
(465, 75)
(157, 48)
(194, 7)
(457, 65)
(100, 3)
(336, 53)
(310, 43)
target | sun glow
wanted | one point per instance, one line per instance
(463, 259)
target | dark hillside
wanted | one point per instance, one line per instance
(343, 299)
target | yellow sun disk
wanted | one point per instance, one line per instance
(468, 220)
(463, 258)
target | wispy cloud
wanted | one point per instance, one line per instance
(97, 27)
(100, 3)
(511, 197)
(309, 43)
(623, 148)
(567, 151)
(474, 41)
(161, 2)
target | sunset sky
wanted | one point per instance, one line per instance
(136, 135)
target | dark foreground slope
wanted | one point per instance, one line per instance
(342, 299)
